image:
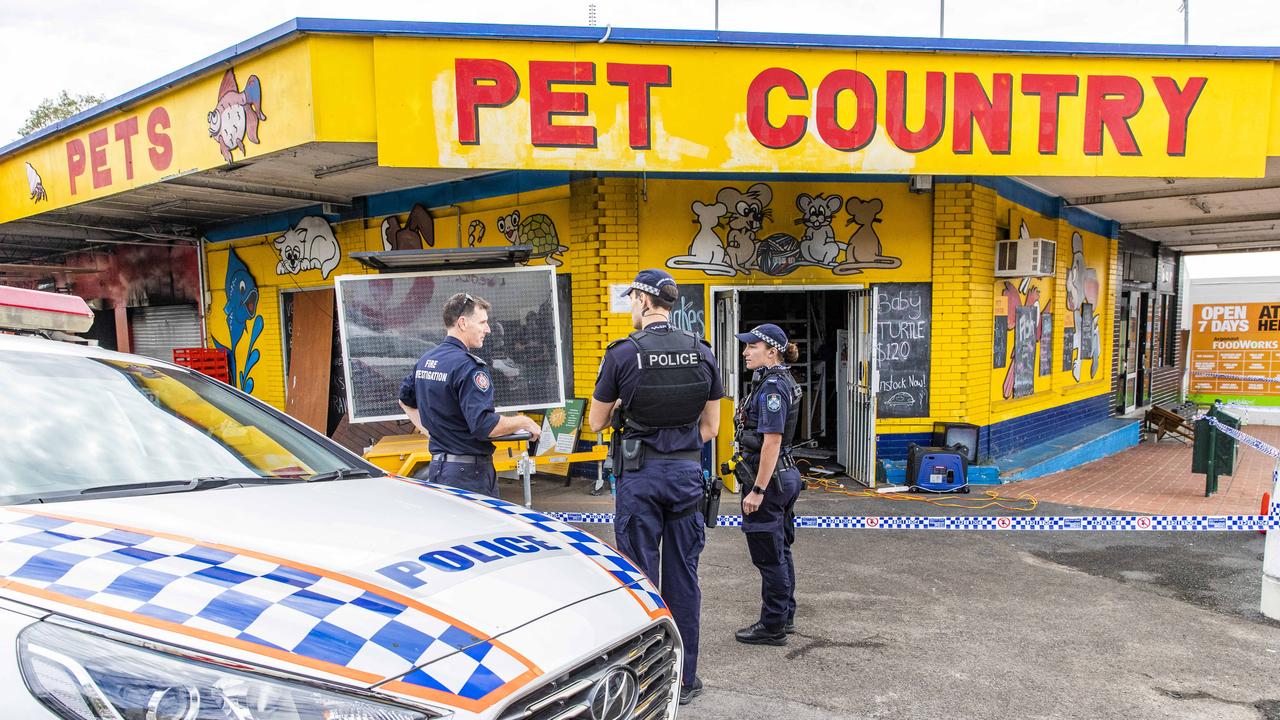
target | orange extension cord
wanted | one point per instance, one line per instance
(990, 498)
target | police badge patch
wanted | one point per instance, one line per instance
(481, 380)
(773, 402)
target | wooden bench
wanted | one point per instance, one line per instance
(1163, 422)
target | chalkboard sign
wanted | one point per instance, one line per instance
(904, 316)
(1068, 350)
(689, 311)
(1026, 323)
(1001, 341)
(1046, 343)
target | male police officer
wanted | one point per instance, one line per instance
(668, 387)
(449, 398)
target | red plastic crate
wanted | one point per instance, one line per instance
(210, 361)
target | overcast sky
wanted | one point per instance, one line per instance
(109, 48)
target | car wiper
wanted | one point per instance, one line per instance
(339, 474)
(199, 483)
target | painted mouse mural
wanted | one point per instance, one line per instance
(819, 245)
(731, 240)
(745, 213)
(864, 249)
(706, 252)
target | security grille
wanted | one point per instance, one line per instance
(651, 656)
(388, 322)
(156, 331)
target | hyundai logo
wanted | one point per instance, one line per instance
(614, 695)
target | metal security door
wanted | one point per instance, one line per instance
(863, 379)
(727, 351)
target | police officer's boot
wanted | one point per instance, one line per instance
(690, 691)
(758, 634)
(790, 626)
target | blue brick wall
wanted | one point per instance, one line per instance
(894, 446)
(1010, 436)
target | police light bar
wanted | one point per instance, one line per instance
(22, 309)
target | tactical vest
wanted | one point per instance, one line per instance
(748, 437)
(673, 388)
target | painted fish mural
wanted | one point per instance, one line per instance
(241, 310)
(236, 115)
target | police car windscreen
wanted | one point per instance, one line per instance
(387, 322)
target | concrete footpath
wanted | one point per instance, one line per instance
(945, 624)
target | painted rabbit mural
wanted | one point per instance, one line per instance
(418, 231)
(728, 241)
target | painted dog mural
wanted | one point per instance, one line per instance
(728, 241)
(309, 245)
(241, 311)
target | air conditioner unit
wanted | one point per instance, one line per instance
(1026, 257)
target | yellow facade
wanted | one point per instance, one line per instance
(610, 227)
(239, 304)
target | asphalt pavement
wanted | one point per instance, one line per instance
(910, 624)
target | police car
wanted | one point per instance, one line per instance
(172, 549)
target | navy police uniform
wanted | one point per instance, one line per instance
(664, 377)
(453, 391)
(772, 407)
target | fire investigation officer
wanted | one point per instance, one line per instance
(770, 483)
(449, 397)
(666, 383)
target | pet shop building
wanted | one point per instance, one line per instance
(978, 233)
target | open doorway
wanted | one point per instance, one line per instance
(835, 432)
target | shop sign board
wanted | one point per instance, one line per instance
(1235, 353)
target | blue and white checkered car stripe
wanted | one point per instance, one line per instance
(255, 603)
(609, 560)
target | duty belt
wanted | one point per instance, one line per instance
(691, 455)
(464, 459)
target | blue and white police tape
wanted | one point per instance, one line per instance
(1242, 438)
(1228, 376)
(1086, 523)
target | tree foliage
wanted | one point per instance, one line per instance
(53, 109)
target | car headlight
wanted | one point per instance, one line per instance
(82, 676)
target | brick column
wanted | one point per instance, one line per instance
(604, 233)
(964, 234)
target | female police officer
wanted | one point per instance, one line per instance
(766, 424)
(667, 385)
